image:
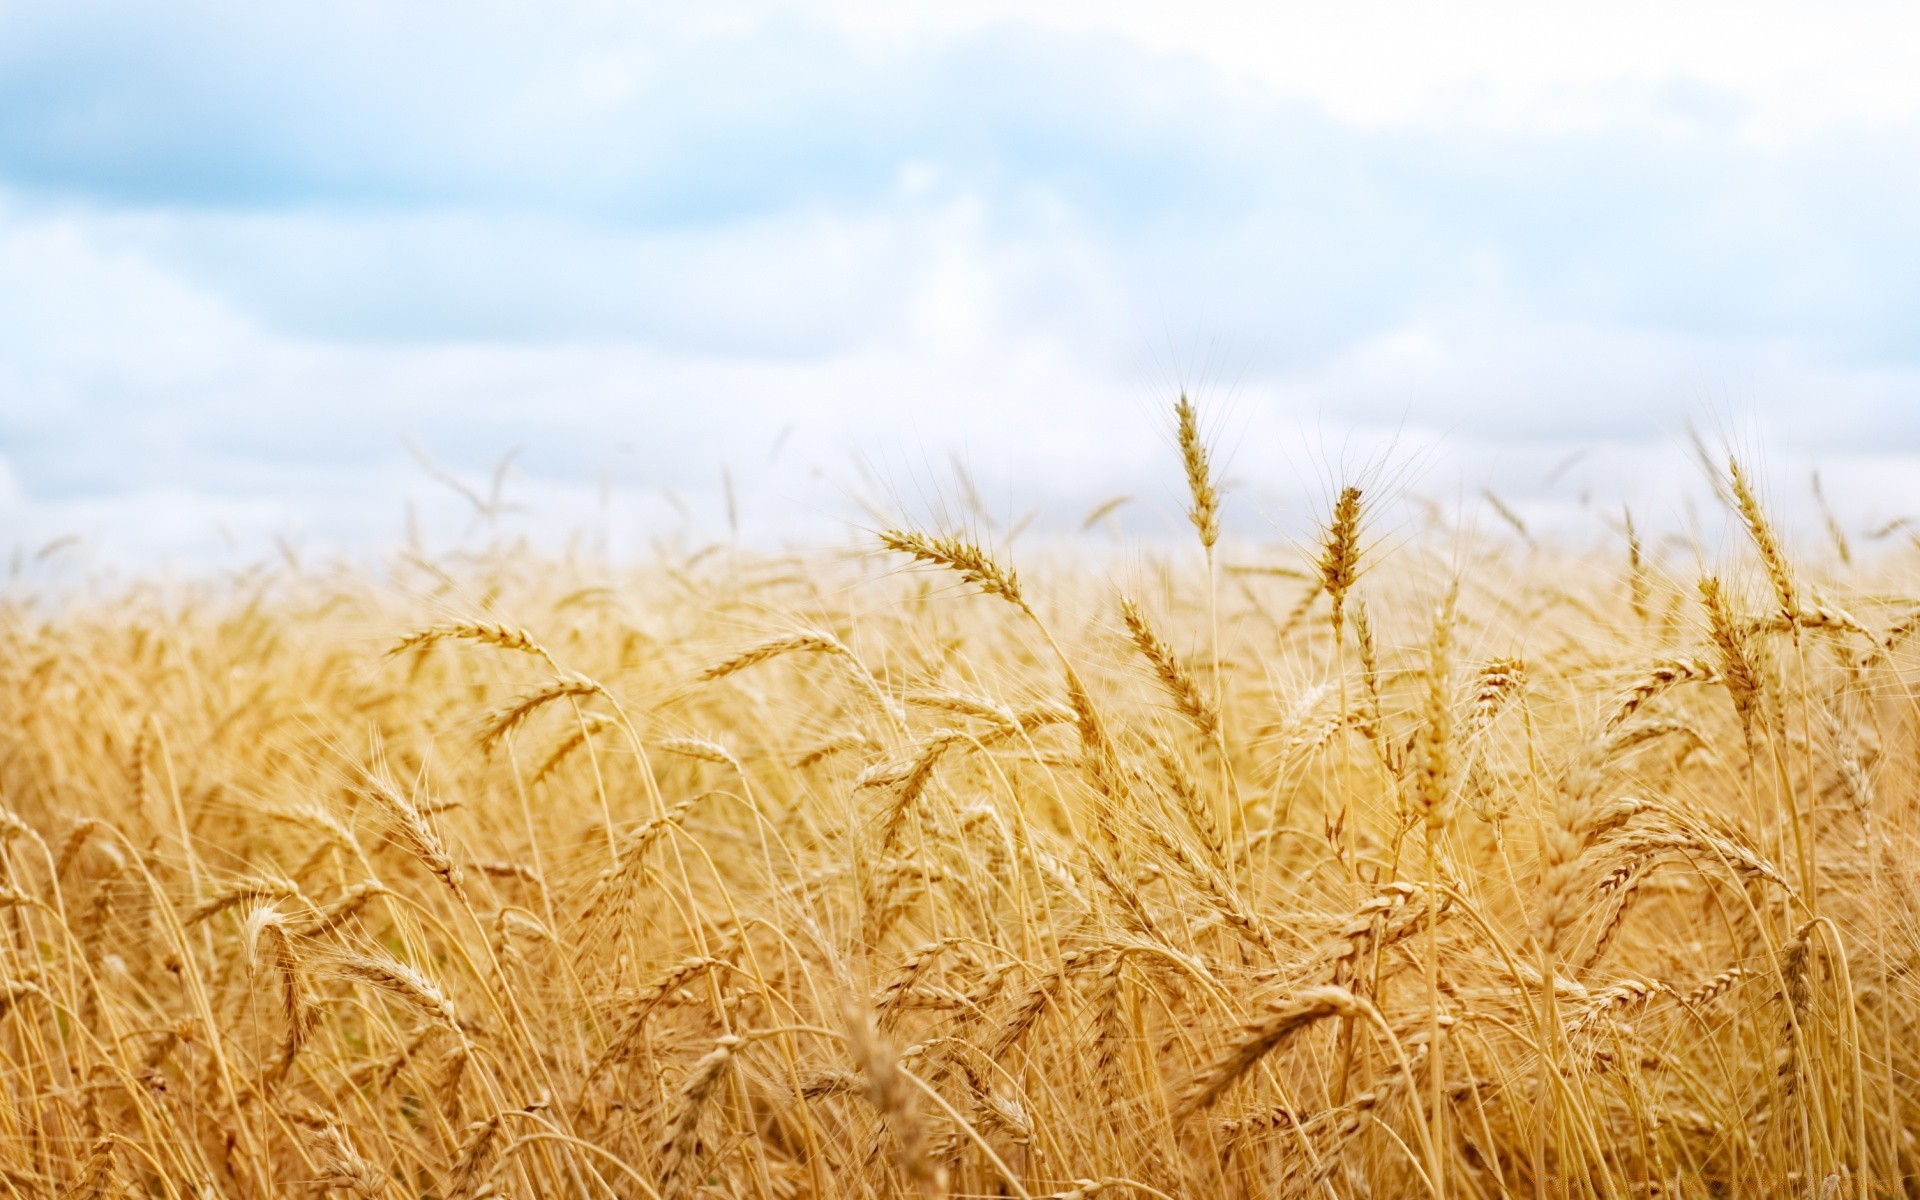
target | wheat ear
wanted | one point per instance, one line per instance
(1173, 675)
(1263, 1037)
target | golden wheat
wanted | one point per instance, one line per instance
(1557, 887)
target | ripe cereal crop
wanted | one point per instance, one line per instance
(1464, 872)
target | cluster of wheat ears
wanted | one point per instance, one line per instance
(1471, 869)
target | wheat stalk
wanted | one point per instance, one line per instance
(1339, 561)
(1658, 679)
(1764, 541)
(488, 633)
(806, 641)
(677, 1147)
(1262, 1037)
(270, 943)
(961, 556)
(891, 1097)
(502, 722)
(398, 979)
(1174, 677)
(1201, 489)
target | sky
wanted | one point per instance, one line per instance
(763, 266)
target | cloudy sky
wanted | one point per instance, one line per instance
(254, 257)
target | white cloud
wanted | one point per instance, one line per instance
(173, 418)
(247, 254)
(1791, 70)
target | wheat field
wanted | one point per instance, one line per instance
(1403, 863)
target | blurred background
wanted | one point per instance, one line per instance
(305, 274)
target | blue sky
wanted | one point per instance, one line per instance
(250, 253)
